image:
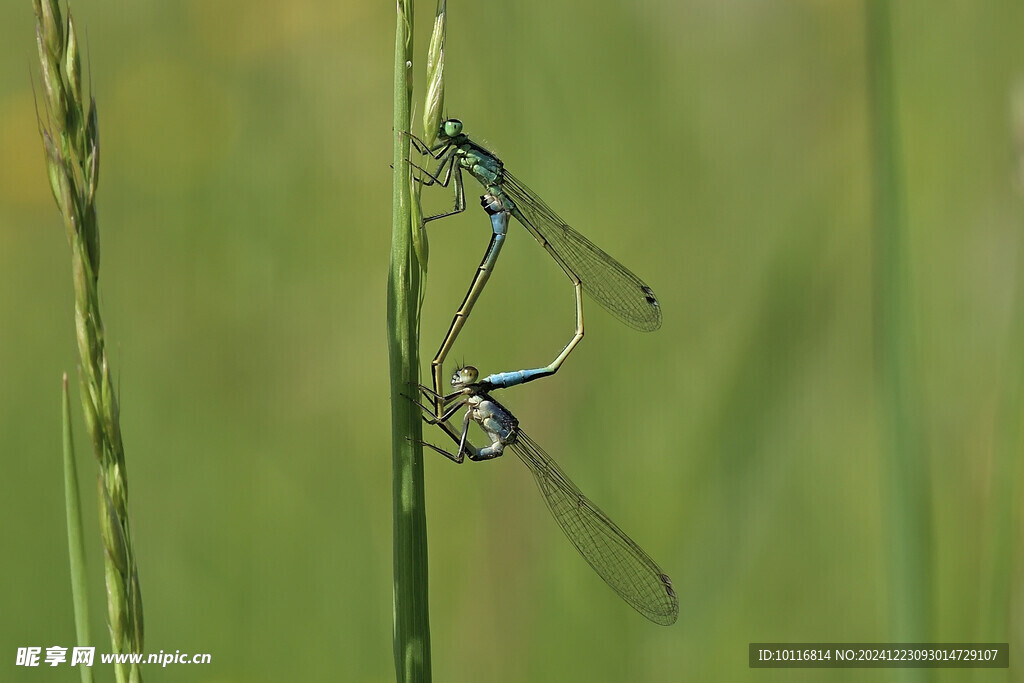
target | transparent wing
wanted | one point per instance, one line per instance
(614, 556)
(621, 292)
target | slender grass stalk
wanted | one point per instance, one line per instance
(76, 538)
(1008, 586)
(71, 140)
(1007, 468)
(1005, 508)
(907, 482)
(411, 614)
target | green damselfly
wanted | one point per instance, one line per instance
(588, 267)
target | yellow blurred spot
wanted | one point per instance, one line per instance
(23, 181)
(237, 29)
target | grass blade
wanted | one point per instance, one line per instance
(76, 538)
(906, 474)
(411, 613)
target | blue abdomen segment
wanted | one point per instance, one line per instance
(499, 223)
(511, 379)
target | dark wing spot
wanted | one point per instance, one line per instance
(667, 583)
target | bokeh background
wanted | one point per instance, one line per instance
(719, 149)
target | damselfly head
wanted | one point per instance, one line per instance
(463, 376)
(451, 128)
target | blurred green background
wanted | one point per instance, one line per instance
(719, 149)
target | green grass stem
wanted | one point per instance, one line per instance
(76, 538)
(906, 482)
(411, 614)
(1001, 563)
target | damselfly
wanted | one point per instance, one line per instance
(614, 556)
(588, 267)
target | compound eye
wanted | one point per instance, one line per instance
(469, 374)
(451, 127)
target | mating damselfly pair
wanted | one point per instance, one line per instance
(612, 554)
